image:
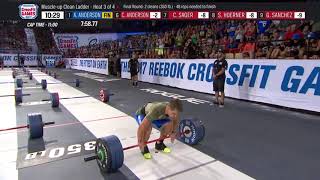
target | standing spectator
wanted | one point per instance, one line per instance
(250, 30)
(239, 33)
(263, 26)
(231, 29)
(21, 61)
(218, 72)
(118, 65)
(1, 62)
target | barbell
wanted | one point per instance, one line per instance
(54, 97)
(34, 124)
(19, 82)
(44, 83)
(109, 152)
(104, 96)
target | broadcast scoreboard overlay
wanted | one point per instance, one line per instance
(66, 14)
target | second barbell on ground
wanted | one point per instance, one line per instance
(34, 124)
(44, 83)
(104, 96)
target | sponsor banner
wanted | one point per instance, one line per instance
(290, 83)
(95, 65)
(29, 59)
(71, 41)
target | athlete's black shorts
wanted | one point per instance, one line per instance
(133, 73)
(218, 84)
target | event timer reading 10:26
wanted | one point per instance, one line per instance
(89, 23)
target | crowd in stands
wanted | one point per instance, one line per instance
(13, 39)
(238, 39)
(45, 41)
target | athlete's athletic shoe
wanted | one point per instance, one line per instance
(160, 146)
(146, 153)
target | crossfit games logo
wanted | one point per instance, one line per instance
(28, 11)
(67, 42)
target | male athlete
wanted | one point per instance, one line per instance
(134, 69)
(164, 116)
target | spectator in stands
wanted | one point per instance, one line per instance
(306, 30)
(239, 34)
(225, 42)
(263, 26)
(248, 49)
(207, 38)
(250, 30)
(231, 29)
(313, 47)
(289, 32)
(276, 38)
(296, 46)
(263, 46)
(278, 52)
(232, 44)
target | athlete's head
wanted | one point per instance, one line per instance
(173, 108)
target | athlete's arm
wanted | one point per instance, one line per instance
(221, 72)
(145, 125)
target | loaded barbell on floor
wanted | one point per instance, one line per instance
(29, 75)
(44, 83)
(34, 124)
(109, 151)
(104, 96)
(19, 82)
(55, 99)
